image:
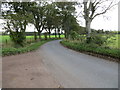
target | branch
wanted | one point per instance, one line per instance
(95, 7)
(108, 8)
(79, 15)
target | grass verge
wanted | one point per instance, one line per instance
(82, 47)
(14, 51)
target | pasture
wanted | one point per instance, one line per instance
(6, 37)
(7, 43)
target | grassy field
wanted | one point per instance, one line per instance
(6, 42)
(6, 37)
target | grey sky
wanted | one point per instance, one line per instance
(108, 21)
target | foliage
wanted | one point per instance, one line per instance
(7, 43)
(31, 47)
(17, 19)
(83, 47)
(49, 16)
(74, 35)
(98, 39)
(67, 11)
(58, 16)
(38, 13)
(17, 38)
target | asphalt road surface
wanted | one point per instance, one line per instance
(76, 70)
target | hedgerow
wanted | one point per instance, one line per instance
(114, 53)
(31, 47)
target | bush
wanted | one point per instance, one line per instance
(18, 38)
(74, 35)
(13, 51)
(115, 53)
(98, 39)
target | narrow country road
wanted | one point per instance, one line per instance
(53, 65)
(77, 70)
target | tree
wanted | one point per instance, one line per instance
(92, 9)
(67, 9)
(17, 18)
(57, 20)
(49, 17)
(38, 12)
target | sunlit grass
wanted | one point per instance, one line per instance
(114, 42)
(5, 38)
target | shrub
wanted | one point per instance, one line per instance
(115, 53)
(13, 51)
(98, 39)
(73, 35)
(18, 38)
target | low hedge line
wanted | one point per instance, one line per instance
(114, 53)
(13, 51)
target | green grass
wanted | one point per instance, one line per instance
(8, 46)
(14, 51)
(6, 37)
(114, 41)
(82, 47)
(7, 43)
(113, 45)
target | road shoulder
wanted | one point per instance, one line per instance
(26, 71)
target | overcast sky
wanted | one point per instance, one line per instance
(110, 22)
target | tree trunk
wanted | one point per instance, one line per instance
(87, 21)
(49, 33)
(35, 36)
(65, 34)
(88, 29)
(59, 32)
(55, 33)
(39, 34)
(59, 35)
(45, 35)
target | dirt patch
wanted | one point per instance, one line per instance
(26, 71)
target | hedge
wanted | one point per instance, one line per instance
(114, 53)
(14, 51)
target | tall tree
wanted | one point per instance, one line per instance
(17, 19)
(49, 17)
(94, 8)
(67, 9)
(57, 20)
(38, 12)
